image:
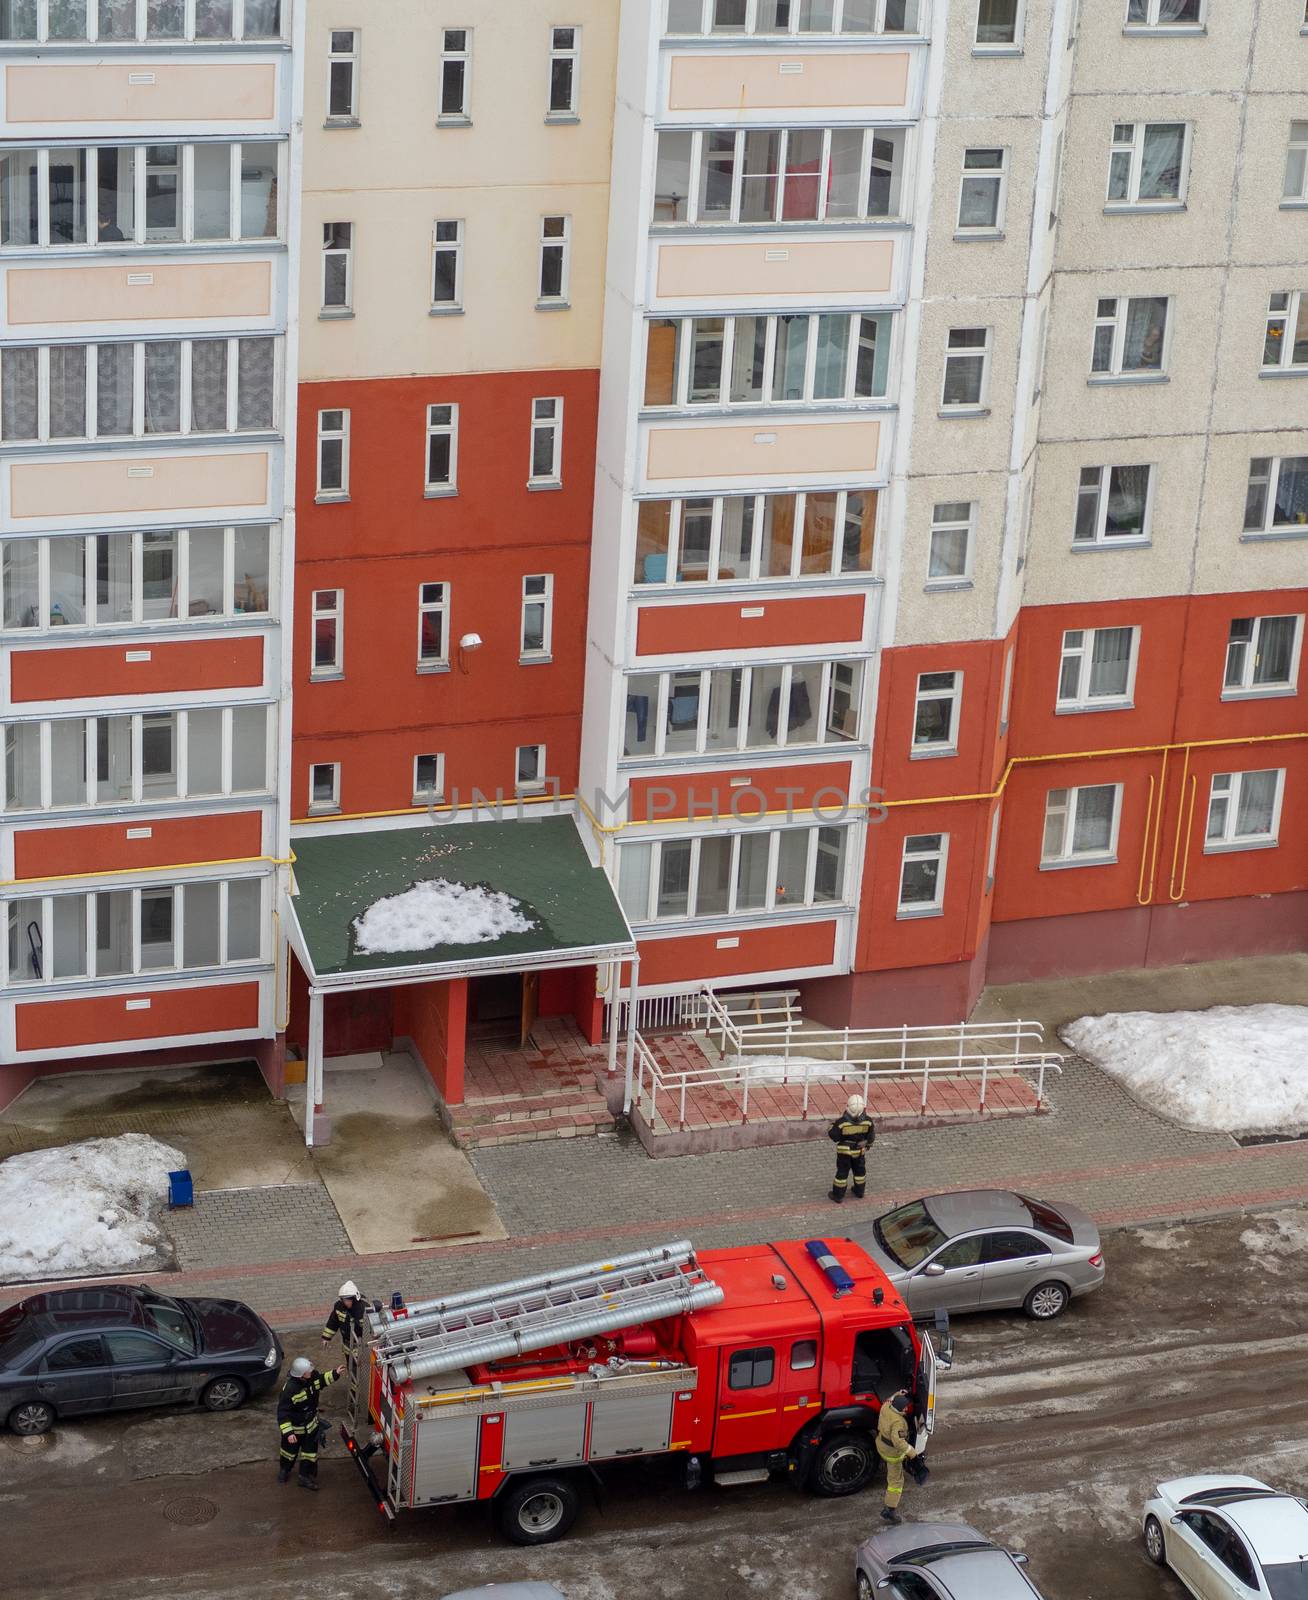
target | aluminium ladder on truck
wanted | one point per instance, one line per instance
(403, 1349)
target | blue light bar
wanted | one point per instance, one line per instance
(839, 1279)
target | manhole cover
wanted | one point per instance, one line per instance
(31, 1441)
(190, 1511)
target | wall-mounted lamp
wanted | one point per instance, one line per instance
(467, 644)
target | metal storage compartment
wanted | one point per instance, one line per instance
(630, 1424)
(544, 1436)
(445, 1455)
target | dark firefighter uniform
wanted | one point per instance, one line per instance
(852, 1133)
(297, 1420)
(894, 1447)
(347, 1320)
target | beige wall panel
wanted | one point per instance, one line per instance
(938, 616)
(1226, 562)
(713, 82)
(1279, 54)
(1264, 233)
(180, 293)
(715, 271)
(987, 265)
(1244, 399)
(103, 488)
(500, 330)
(982, 442)
(1111, 61)
(984, 83)
(706, 451)
(228, 91)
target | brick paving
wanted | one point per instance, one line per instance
(260, 1222)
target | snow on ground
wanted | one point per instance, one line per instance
(777, 1069)
(437, 912)
(1232, 1069)
(85, 1209)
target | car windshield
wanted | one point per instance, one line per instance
(1288, 1580)
(1047, 1219)
(18, 1336)
(909, 1235)
(169, 1320)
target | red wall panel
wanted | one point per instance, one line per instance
(74, 672)
(687, 630)
(770, 949)
(973, 769)
(62, 1024)
(105, 847)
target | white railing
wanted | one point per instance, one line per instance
(976, 1053)
(657, 1012)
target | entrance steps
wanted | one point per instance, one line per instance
(549, 1089)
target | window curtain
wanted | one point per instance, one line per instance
(1160, 165)
(113, 390)
(1257, 797)
(254, 394)
(18, 19)
(1110, 662)
(118, 19)
(18, 393)
(209, 386)
(165, 19)
(213, 19)
(163, 387)
(1093, 828)
(68, 19)
(68, 391)
(1291, 492)
(1146, 321)
(1275, 650)
(1178, 11)
(1128, 490)
(263, 19)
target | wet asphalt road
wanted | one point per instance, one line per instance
(1191, 1358)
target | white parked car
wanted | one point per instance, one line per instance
(1229, 1538)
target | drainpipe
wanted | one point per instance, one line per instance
(631, 1031)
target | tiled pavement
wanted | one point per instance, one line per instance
(569, 1201)
(548, 1090)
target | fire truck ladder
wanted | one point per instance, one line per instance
(535, 1313)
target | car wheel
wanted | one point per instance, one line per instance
(223, 1394)
(845, 1464)
(865, 1589)
(31, 1418)
(537, 1511)
(1046, 1301)
(1155, 1547)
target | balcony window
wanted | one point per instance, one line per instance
(117, 22)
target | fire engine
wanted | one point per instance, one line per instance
(770, 1358)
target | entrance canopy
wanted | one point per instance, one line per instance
(460, 899)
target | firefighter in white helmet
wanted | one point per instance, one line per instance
(852, 1134)
(346, 1316)
(297, 1419)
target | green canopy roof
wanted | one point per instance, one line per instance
(540, 862)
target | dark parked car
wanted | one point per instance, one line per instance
(115, 1347)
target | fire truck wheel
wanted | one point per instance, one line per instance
(1046, 1301)
(845, 1463)
(537, 1510)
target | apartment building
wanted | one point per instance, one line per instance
(148, 219)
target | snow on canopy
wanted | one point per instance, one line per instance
(1231, 1069)
(437, 912)
(86, 1208)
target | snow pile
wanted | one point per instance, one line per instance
(86, 1208)
(1232, 1069)
(437, 912)
(777, 1069)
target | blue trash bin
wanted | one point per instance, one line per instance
(181, 1190)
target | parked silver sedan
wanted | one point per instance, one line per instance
(939, 1561)
(984, 1249)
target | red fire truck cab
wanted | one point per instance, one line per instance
(771, 1358)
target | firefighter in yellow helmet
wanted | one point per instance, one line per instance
(894, 1446)
(852, 1133)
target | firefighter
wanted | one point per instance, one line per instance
(346, 1316)
(852, 1135)
(894, 1448)
(297, 1419)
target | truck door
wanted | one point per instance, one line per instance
(749, 1401)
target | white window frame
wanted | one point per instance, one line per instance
(562, 244)
(1102, 495)
(1118, 322)
(540, 783)
(1151, 22)
(435, 429)
(1251, 648)
(339, 436)
(1286, 317)
(1067, 808)
(1228, 787)
(542, 598)
(450, 54)
(142, 34)
(992, 850)
(349, 58)
(436, 793)
(558, 53)
(952, 525)
(1006, 693)
(997, 46)
(436, 605)
(447, 247)
(319, 808)
(1077, 649)
(1266, 472)
(1132, 148)
(750, 26)
(952, 696)
(994, 176)
(330, 252)
(544, 423)
(320, 610)
(968, 352)
(914, 850)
